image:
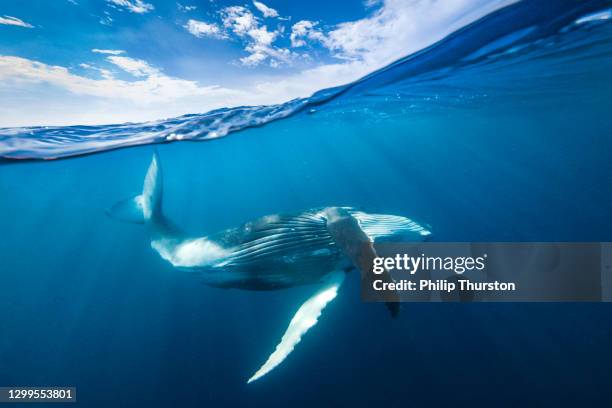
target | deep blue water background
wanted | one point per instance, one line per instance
(515, 147)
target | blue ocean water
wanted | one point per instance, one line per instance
(501, 132)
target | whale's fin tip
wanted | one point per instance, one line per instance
(128, 210)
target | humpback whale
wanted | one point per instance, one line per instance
(314, 247)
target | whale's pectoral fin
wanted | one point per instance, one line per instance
(305, 318)
(357, 246)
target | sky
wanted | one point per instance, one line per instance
(68, 62)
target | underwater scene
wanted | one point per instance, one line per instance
(499, 132)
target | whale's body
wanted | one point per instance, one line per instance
(316, 246)
(273, 252)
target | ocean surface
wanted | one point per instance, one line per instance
(500, 132)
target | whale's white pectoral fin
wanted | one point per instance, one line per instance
(305, 318)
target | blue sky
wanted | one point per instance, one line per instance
(109, 61)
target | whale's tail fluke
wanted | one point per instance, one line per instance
(147, 206)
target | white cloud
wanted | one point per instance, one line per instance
(259, 40)
(80, 99)
(135, 6)
(110, 52)
(261, 52)
(372, 3)
(305, 30)
(265, 10)
(185, 9)
(399, 28)
(255, 58)
(104, 73)
(153, 84)
(262, 36)
(8, 20)
(202, 29)
(136, 67)
(239, 19)
(394, 29)
(106, 19)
